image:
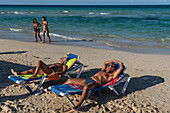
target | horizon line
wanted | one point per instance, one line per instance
(87, 5)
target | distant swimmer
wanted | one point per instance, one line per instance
(36, 26)
(45, 29)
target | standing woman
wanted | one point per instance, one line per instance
(36, 26)
(45, 29)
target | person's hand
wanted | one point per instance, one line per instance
(118, 62)
(52, 74)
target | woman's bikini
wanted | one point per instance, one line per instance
(35, 27)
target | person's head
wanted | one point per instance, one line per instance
(34, 20)
(110, 67)
(44, 18)
(63, 60)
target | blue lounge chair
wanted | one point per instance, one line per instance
(72, 66)
(70, 89)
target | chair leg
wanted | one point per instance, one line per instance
(78, 75)
(67, 75)
(112, 88)
(81, 67)
(26, 86)
(70, 100)
(40, 84)
(125, 86)
(126, 80)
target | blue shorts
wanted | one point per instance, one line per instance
(88, 80)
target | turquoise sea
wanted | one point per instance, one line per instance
(131, 28)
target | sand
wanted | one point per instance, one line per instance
(148, 90)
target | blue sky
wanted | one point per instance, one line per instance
(86, 2)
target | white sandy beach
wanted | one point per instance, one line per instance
(148, 90)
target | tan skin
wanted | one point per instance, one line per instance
(42, 68)
(36, 24)
(102, 77)
(45, 30)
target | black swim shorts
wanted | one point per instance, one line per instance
(88, 80)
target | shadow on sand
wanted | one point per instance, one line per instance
(5, 71)
(13, 52)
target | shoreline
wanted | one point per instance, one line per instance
(26, 37)
(148, 90)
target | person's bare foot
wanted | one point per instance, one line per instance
(14, 72)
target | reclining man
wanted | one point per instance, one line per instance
(105, 75)
(42, 68)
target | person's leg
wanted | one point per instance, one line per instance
(35, 34)
(43, 36)
(41, 65)
(76, 81)
(39, 35)
(49, 40)
(31, 71)
(84, 94)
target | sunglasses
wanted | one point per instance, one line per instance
(111, 65)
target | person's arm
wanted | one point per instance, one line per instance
(62, 72)
(105, 64)
(39, 25)
(119, 70)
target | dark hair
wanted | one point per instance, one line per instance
(34, 19)
(44, 18)
(114, 65)
(66, 59)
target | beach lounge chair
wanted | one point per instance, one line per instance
(71, 89)
(72, 65)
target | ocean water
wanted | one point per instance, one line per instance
(112, 26)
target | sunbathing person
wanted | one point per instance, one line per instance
(42, 68)
(105, 75)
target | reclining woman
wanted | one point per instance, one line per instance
(42, 68)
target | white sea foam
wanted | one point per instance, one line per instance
(68, 37)
(65, 11)
(65, 37)
(162, 40)
(16, 12)
(32, 12)
(13, 29)
(115, 45)
(2, 12)
(104, 13)
(91, 13)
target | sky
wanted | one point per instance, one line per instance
(85, 2)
